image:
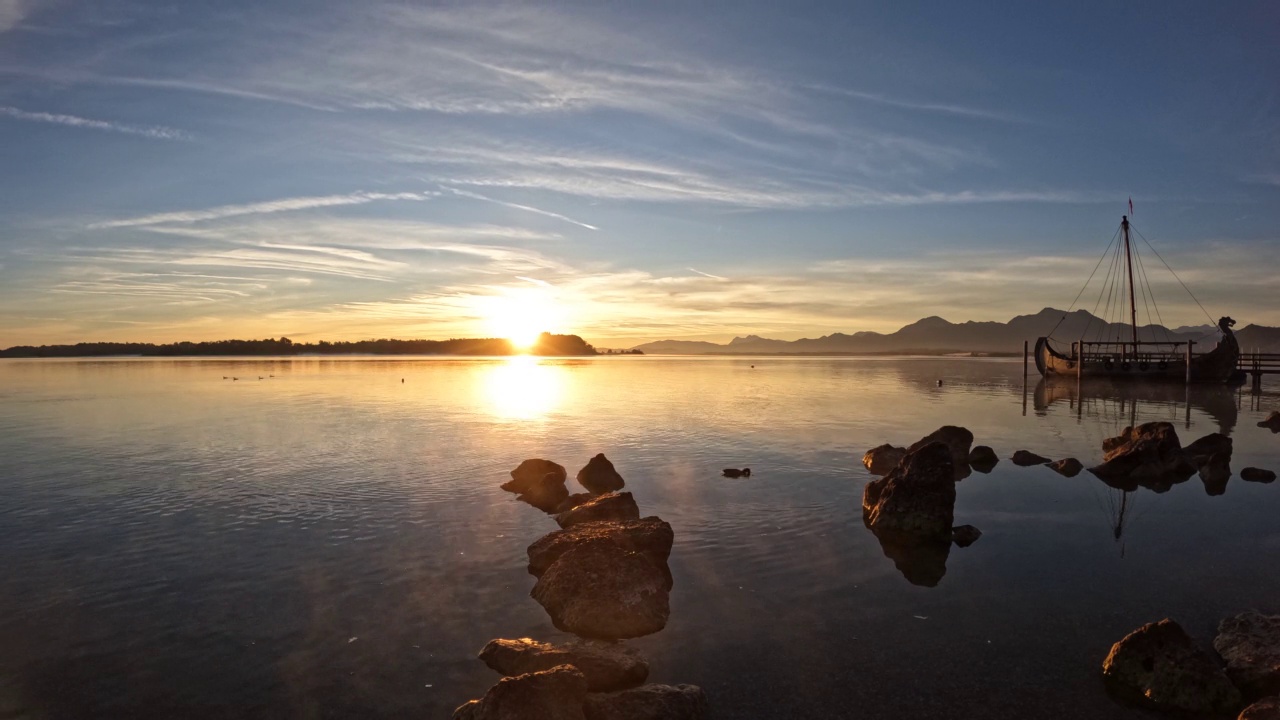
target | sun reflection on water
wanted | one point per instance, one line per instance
(524, 387)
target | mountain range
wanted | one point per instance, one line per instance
(934, 335)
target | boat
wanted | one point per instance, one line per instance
(1131, 359)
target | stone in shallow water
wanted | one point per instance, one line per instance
(1149, 455)
(606, 666)
(1026, 458)
(1250, 645)
(531, 472)
(1159, 665)
(615, 506)
(599, 590)
(555, 694)
(957, 439)
(917, 499)
(1203, 449)
(573, 501)
(651, 537)
(1253, 474)
(546, 494)
(965, 535)
(649, 702)
(983, 458)
(599, 476)
(882, 459)
(1067, 467)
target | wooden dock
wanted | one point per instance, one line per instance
(1259, 364)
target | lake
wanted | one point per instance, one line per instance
(326, 537)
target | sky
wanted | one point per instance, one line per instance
(624, 171)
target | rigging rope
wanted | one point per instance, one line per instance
(1086, 282)
(1175, 275)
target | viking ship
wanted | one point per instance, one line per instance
(1128, 358)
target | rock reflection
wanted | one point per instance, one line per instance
(922, 562)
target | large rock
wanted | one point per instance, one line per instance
(1160, 665)
(546, 494)
(599, 590)
(957, 439)
(1026, 458)
(649, 702)
(917, 499)
(1253, 474)
(531, 472)
(573, 501)
(1264, 709)
(616, 506)
(1250, 644)
(1148, 455)
(1067, 467)
(651, 537)
(599, 476)
(883, 458)
(555, 694)
(606, 666)
(1203, 449)
(983, 459)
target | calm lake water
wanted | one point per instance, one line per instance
(329, 541)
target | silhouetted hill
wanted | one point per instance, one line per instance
(936, 335)
(547, 344)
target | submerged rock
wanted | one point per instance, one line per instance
(599, 476)
(983, 458)
(882, 459)
(649, 702)
(957, 439)
(531, 472)
(1159, 664)
(1026, 458)
(651, 537)
(615, 506)
(599, 590)
(1250, 645)
(546, 494)
(1264, 709)
(916, 499)
(1067, 467)
(965, 535)
(1148, 455)
(605, 666)
(1253, 474)
(555, 694)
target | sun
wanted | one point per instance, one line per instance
(521, 315)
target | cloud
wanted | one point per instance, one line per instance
(157, 132)
(527, 208)
(11, 13)
(714, 277)
(270, 206)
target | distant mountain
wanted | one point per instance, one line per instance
(936, 335)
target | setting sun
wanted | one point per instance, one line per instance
(521, 315)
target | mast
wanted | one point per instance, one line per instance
(1128, 261)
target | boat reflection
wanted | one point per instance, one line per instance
(1104, 396)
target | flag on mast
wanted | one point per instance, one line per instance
(1130, 204)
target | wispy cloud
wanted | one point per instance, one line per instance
(157, 132)
(714, 277)
(944, 108)
(526, 208)
(11, 13)
(260, 208)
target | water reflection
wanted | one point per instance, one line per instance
(1105, 397)
(523, 387)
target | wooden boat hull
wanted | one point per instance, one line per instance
(1216, 366)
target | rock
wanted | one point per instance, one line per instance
(1148, 455)
(546, 494)
(573, 501)
(916, 499)
(651, 537)
(555, 694)
(1253, 474)
(1026, 458)
(599, 590)
(1202, 450)
(606, 666)
(1067, 467)
(1272, 422)
(1265, 709)
(957, 439)
(598, 476)
(983, 458)
(1250, 645)
(649, 702)
(882, 459)
(1158, 664)
(1215, 472)
(531, 472)
(965, 535)
(736, 473)
(616, 506)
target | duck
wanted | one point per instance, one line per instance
(736, 473)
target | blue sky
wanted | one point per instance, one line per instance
(629, 171)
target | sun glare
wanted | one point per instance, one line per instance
(522, 388)
(522, 315)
